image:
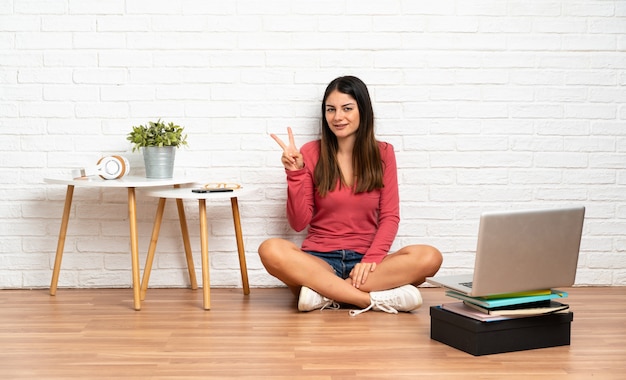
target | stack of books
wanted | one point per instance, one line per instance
(507, 306)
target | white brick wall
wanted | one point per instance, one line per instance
(490, 104)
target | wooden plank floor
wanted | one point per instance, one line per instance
(96, 334)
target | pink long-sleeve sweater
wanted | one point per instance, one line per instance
(366, 223)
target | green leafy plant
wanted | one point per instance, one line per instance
(157, 134)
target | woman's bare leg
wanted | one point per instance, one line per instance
(287, 262)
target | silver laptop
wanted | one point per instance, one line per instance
(522, 251)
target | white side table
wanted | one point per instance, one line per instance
(185, 193)
(128, 182)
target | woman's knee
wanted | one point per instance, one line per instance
(266, 245)
(272, 250)
(427, 258)
(432, 259)
(269, 247)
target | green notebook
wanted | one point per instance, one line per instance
(497, 302)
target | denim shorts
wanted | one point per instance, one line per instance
(342, 260)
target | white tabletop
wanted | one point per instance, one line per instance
(127, 181)
(186, 193)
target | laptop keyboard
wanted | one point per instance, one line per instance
(468, 284)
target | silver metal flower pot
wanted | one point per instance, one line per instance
(159, 161)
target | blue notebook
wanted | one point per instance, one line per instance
(507, 301)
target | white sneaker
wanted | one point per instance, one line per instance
(403, 298)
(311, 300)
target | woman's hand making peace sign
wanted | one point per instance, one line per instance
(291, 158)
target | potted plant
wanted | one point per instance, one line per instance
(159, 142)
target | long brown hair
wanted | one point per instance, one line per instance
(366, 160)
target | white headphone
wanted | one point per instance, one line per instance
(113, 167)
(108, 167)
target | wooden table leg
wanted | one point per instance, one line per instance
(185, 233)
(153, 244)
(204, 247)
(240, 249)
(61, 243)
(134, 247)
